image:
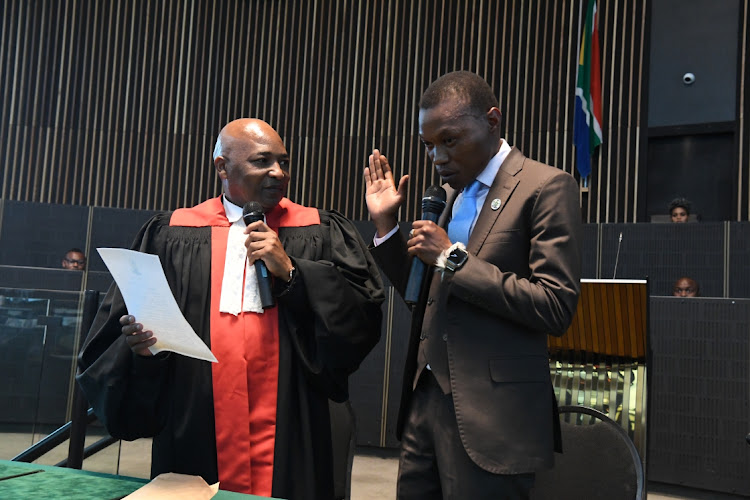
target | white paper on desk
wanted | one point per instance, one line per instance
(173, 486)
(148, 297)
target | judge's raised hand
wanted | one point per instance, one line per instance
(138, 340)
(263, 243)
(382, 197)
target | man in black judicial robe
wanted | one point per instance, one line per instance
(328, 294)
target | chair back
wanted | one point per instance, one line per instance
(598, 460)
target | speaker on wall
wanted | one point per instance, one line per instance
(693, 62)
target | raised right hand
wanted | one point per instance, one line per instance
(138, 340)
(382, 197)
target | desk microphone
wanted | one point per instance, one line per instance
(252, 212)
(617, 257)
(433, 204)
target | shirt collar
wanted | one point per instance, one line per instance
(487, 176)
(233, 212)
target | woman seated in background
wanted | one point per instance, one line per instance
(679, 210)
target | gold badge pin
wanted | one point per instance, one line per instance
(495, 204)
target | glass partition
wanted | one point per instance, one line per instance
(39, 340)
(38, 336)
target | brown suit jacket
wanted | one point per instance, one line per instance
(520, 283)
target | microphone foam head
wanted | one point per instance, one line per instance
(251, 212)
(435, 193)
(434, 200)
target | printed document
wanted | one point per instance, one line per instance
(149, 298)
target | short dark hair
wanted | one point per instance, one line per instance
(463, 85)
(78, 250)
(679, 202)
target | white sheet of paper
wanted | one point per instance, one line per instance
(173, 486)
(149, 298)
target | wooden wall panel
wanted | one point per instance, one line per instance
(118, 103)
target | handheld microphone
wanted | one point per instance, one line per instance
(252, 212)
(617, 257)
(433, 204)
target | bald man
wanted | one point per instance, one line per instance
(258, 420)
(685, 287)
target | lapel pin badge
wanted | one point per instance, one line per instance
(495, 204)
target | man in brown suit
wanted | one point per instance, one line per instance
(478, 415)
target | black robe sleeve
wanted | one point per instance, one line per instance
(130, 394)
(332, 308)
(329, 320)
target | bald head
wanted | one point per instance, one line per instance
(252, 163)
(685, 287)
(241, 130)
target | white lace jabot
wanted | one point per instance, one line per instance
(239, 286)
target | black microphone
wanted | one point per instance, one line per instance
(617, 257)
(433, 204)
(252, 212)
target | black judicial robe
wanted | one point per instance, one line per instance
(329, 320)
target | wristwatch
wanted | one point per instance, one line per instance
(291, 274)
(456, 259)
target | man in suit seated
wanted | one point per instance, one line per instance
(478, 414)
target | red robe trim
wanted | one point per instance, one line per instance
(245, 380)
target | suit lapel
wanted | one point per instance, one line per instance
(502, 188)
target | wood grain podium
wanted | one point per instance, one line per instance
(611, 320)
(602, 359)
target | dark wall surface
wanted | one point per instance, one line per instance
(699, 37)
(699, 167)
(113, 228)
(665, 252)
(39, 234)
(738, 276)
(700, 393)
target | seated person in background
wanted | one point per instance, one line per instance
(258, 420)
(74, 259)
(679, 210)
(685, 287)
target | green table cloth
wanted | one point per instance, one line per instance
(22, 481)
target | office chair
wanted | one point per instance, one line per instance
(599, 460)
